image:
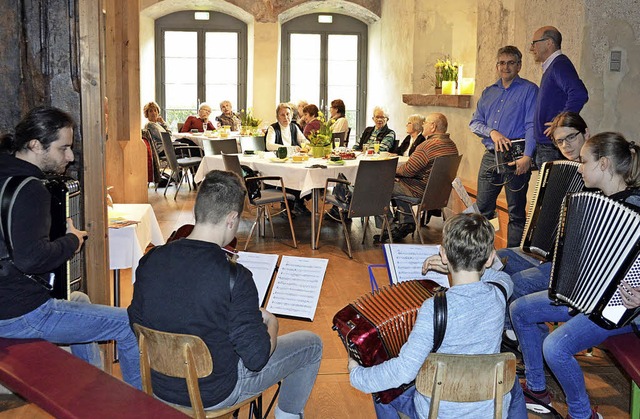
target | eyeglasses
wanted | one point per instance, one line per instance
(538, 40)
(379, 117)
(507, 63)
(568, 139)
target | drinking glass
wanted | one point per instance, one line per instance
(376, 147)
(204, 128)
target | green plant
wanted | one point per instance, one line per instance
(247, 119)
(446, 70)
(321, 137)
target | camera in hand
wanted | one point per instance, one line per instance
(515, 151)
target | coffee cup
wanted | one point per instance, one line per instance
(281, 153)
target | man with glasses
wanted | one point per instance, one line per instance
(561, 89)
(505, 113)
(378, 133)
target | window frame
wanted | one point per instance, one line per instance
(341, 25)
(185, 21)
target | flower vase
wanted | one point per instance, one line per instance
(318, 151)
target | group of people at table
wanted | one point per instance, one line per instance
(192, 286)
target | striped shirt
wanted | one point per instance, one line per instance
(415, 172)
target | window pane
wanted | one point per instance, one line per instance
(221, 72)
(181, 75)
(305, 68)
(342, 74)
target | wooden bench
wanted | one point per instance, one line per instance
(67, 387)
(626, 351)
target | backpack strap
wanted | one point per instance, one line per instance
(501, 288)
(439, 319)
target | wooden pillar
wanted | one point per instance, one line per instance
(126, 163)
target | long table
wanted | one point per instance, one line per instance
(297, 176)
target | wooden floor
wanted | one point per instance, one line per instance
(346, 279)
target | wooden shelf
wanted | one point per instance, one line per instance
(451, 101)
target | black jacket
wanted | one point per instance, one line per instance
(34, 253)
(405, 144)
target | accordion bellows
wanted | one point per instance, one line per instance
(375, 326)
(555, 180)
(597, 247)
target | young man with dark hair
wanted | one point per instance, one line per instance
(190, 286)
(42, 144)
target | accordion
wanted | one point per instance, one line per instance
(555, 180)
(597, 246)
(65, 203)
(374, 327)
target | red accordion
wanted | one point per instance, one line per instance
(374, 327)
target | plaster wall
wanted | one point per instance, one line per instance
(147, 63)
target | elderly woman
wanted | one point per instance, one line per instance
(378, 133)
(310, 117)
(298, 114)
(200, 121)
(337, 110)
(156, 125)
(227, 117)
(415, 137)
(283, 132)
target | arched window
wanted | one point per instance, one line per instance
(324, 57)
(199, 61)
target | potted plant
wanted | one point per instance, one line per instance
(446, 70)
(320, 140)
(249, 124)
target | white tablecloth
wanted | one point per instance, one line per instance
(197, 138)
(297, 176)
(127, 244)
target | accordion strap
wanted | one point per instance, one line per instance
(8, 194)
(439, 319)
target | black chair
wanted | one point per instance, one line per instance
(217, 147)
(341, 137)
(179, 166)
(264, 200)
(371, 196)
(436, 193)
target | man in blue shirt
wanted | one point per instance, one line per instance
(505, 113)
(561, 90)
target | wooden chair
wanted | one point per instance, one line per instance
(436, 193)
(266, 198)
(371, 196)
(184, 356)
(466, 378)
(179, 166)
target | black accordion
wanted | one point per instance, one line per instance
(65, 203)
(555, 180)
(597, 246)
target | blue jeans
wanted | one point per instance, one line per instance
(403, 403)
(545, 153)
(557, 348)
(518, 407)
(490, 184)
(527, 274)
(295, 362)
(72, 322)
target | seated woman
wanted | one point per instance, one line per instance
(338, 111)
(415, 137)
(198, 122)
(298, 112)
(156, 125)
(310, 116)
(283, 132)
(227, 117)
(609, 163)
(379, 133)
(569, 132)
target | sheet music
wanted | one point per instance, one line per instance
(262, 267)
(297, 287)
(405, 262)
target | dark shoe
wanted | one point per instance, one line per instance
(594, 414)
(538, 402)
(384, 236)
(402, 231)
(283, 213)
(299, 208)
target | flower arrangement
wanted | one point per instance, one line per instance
(321, 137)
(248, 122)
(445, 70)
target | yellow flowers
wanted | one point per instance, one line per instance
(247, 119)
(446, 70)
(321, 137)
